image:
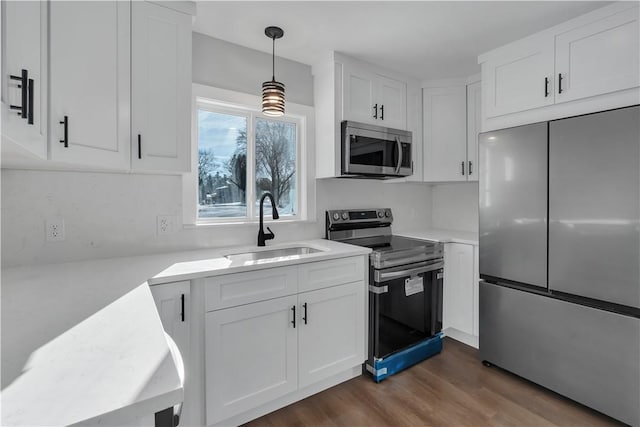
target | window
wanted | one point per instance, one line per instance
(241, 155)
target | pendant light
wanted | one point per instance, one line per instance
(273, 91)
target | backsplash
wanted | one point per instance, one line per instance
(111, 214)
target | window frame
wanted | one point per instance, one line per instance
(229, 102)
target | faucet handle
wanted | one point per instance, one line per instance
(271, 233)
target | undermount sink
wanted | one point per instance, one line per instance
(273, 254)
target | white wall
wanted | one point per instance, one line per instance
(110, 215)
(229, 66)
(455, 206)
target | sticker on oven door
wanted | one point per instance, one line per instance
(413, 285)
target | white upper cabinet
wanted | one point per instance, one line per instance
(161, 88)
(90, 68)
(587, 64)
(445, 133)
(24, 104)
(520, 78)
(373, 98)
(474, 118)
(359, 95)
(451, 123)
(599, 57)
(392, 95)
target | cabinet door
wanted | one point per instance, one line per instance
(250, 356)
(172, 300)
(24, 35)
(332, 336)
(391, 97)
(161, 88)
(474, 105)
(516, 80)
(458, 288)
(599, 57)
(445, 133)
(358, 87)
(90, 82)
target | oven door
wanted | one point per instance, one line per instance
(376, 153)
(405, 307)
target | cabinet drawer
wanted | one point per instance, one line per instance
(244, 288)
(323, 274)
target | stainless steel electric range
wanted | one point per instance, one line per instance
(405, 288)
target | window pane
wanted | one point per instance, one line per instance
(222, 165)
(276, 164)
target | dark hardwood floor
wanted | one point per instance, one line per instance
(450, 389)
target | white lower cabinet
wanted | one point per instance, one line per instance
(460, 293)
(331, 337)
(266, 352)
(251, 356)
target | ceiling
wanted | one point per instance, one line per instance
(423, 39)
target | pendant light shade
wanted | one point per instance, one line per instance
(273, 91)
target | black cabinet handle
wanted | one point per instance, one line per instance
(139, 146)
(559, 82)
(470, 166)
(304, 317)
(375, 111)
(30, 103)
(546, 87)
(382, 112)
(182, 307)
(23, 78)
(462, 164)
(65, 123)
(294, 316)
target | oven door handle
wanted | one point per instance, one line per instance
(381, 276)
(399, 144)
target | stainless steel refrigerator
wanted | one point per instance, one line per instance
(560, 257)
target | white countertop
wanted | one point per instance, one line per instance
(82, 342)
(215, 264)
(443, 236)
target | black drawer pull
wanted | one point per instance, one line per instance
(382, 112)
(23, 78)
(30, 103)
(375, 111)
(294, 316)
(546, 87)
(559, 82)
(304, 317)
(65, 140)
(182, 307)
(139, 146)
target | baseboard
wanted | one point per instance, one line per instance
(252, 414)
(463, 337)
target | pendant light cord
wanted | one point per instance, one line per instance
(273, 60)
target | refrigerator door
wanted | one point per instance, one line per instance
(594, 206)
(513, 204)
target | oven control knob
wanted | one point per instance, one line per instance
(380, 214)
(345, 216)
(336, 216)
(387, 214)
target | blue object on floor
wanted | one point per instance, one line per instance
(401, 360)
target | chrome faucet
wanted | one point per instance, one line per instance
(262, 236)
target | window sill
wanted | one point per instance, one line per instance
(247, 223)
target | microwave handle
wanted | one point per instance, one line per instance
(399, 144)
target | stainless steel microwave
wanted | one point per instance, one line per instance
(375, 151)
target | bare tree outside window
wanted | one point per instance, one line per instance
(276, 163)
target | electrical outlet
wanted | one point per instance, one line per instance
(166, 224)
(54, 228)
